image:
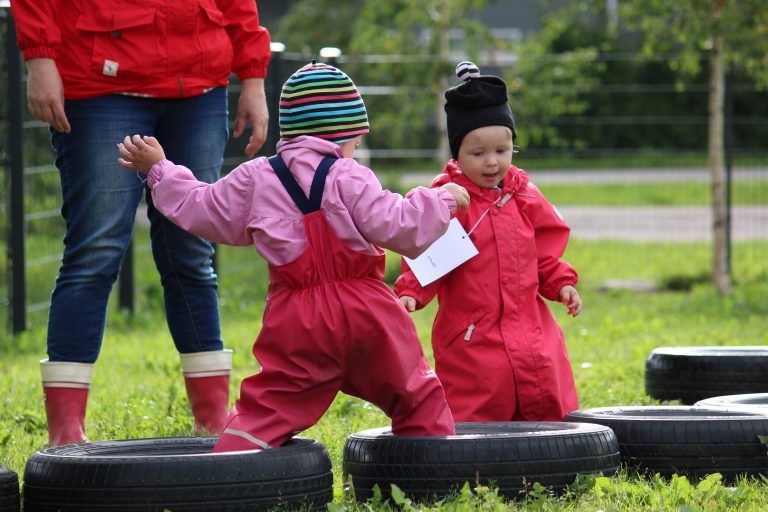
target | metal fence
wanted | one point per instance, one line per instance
(32, 228)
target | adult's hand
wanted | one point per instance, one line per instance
(252, 108)
(45, 93)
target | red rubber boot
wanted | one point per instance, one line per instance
(65, 389)
(206, 377)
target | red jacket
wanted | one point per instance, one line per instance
(159, 48)
(498, 350)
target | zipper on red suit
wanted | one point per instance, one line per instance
(499, 202)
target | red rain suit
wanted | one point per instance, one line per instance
(332, 324)
(498, 350)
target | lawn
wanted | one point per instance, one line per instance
(138, 389)
(682, 194)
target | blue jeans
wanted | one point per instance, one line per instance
(99, 205)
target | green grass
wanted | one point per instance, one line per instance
(745, 192)
(138, 390)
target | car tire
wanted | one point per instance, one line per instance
(685, 440)
(9, 490)
(691, 374)
(753, 402)
(508, 455)
(177, 474)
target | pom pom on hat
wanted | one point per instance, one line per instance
(476, 102)
(322, 101)
(466, 70)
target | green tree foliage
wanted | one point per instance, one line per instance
(410, 39)
(555, 68)
(730, 34)
(580, 69)
(418, 29)
(401, 43)
(684, 30)
(312, 24)
(616, 98)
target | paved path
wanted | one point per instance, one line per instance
(651, 223)
(661, 223)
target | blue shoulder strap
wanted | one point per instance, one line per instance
(312, 204)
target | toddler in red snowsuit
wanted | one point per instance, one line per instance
(318, 218)
(498, 350)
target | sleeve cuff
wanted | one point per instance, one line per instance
(416, 294)
(552, 291)
(251, 72)
(155, 173)
(448, 199)
(40, 52)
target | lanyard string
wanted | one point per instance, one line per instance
(499, 202)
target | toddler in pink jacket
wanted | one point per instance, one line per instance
(320, 219)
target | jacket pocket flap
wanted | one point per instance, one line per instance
(212, 12)
(101, 21)
(461, 324)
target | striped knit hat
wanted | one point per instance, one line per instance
(321, 101)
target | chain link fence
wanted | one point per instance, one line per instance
(664, 202)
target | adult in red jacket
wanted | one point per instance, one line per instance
(498, 350)
(98, 69)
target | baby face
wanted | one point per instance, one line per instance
(485, 155)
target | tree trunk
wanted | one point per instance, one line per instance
(720, 273)
(443, 47)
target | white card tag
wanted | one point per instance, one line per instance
(445, 254)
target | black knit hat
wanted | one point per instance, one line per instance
(476, 102)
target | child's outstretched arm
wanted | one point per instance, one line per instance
(406, 225)
(215, 211)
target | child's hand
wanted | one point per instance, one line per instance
(409, 303)
(460, 194)
(140, 153)
(570, 298)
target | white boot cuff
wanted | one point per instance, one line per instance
(206, 364)
(60, 374)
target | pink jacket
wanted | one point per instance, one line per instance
(249, 206)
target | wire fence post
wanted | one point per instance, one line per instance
(273, 86)
(728, 145)
(125, 297)
(16, 158)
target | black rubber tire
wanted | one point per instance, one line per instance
(176, 474)
(687, 440)
(9, 490)
(691, 374)
(509, 455)
(753, 402)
